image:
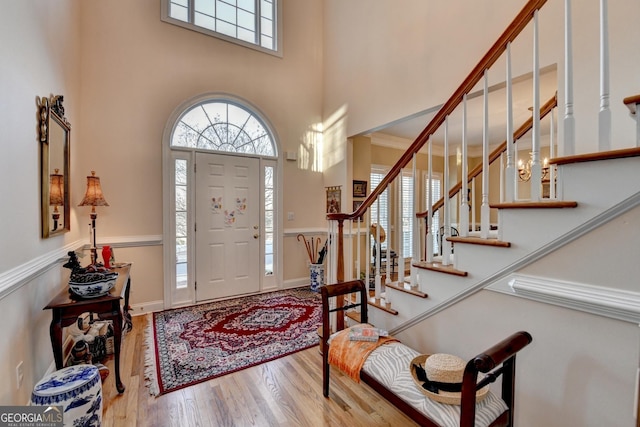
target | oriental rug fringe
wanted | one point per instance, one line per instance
(189, 345)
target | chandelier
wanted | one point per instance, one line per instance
(524, 169)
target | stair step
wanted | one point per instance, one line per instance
(551, 204)
(382, 306)
(602, 155)
(436, 266)
(480, 241)
(406, 287)
(354, 315)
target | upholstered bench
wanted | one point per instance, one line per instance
(387, 370)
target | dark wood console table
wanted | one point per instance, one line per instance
(66, 307)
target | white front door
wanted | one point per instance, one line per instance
(227, 226)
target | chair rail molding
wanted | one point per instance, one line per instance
(608, 302)
(14, 279)
(132, 241)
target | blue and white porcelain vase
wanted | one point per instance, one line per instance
(77, 389)
(316, 276)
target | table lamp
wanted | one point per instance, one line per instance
(93, 197)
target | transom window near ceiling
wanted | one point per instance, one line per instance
(251, 23)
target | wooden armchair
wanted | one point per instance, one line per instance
(498, 360)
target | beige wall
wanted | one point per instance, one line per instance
(39, 55)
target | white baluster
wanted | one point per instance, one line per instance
(429, 206)
(503, 172)
(536, 175)
(331, 271)
(569, 120)
(473, 209)
(388, 249)
(415, 256)
(552, 154)
(378, 248)
(637, 114)
(367, 239)
(604, 116)
(446, 245)
(400, 241)
(510, 173)
(464, 191)
(484, 208)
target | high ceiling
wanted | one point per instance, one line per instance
(402, 132)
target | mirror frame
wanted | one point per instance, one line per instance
(51, 113)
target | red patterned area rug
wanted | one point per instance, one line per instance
(189, 345)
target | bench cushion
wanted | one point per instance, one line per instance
(389, 365)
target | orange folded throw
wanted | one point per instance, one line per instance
(349, 356)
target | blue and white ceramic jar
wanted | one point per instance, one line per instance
(316, 276)
(77, 389)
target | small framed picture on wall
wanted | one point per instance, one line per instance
(359, 188)
(333, 199)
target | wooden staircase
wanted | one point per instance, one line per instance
(527, 229)
(438, 283)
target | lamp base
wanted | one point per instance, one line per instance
(94, 255)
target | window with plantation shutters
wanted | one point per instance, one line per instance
(408, 214)
(381, 204)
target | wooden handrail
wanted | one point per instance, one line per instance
(494, 53)
(631, 102)
(495, 154)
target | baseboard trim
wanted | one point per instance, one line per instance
(146, 307)
(295, 283)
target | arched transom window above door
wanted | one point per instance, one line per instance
(220, 125)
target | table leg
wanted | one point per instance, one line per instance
(55, 330)
(127, 316)
(117, 339)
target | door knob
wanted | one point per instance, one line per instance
(255, 236)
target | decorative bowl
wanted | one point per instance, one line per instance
(92, 285)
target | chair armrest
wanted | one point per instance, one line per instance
(500, 352)
(503, 353)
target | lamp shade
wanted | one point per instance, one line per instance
(56, 194)
(93, 195)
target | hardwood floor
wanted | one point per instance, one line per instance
(284, 392)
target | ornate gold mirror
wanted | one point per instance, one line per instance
(55, 140)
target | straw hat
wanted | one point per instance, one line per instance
(445, 369)
(374, 233)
